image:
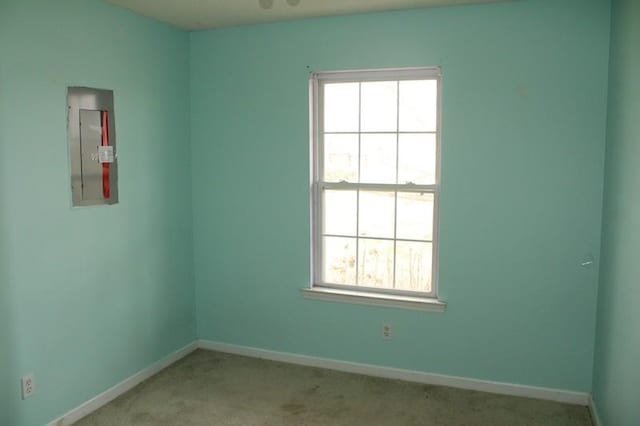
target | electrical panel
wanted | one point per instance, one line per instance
(92, 146)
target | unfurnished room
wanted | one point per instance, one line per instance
(320, 212)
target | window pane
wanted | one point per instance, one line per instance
(417, 158)
(418, 105)
(375, 263)
(379, 108)
(339, 260)
(340, 209)
(413, 266)
(341, 107)
(341, 158)
(415, 216)
(376, 214)
(378, 158)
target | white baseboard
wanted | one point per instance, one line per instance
(594, 412)
(565, 396)
(110, 394)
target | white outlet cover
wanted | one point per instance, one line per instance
(386, 331)
(28, 386)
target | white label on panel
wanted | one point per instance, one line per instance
(105, 154)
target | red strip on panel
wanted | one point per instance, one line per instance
(106, 190)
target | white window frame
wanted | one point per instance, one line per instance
(357, 293)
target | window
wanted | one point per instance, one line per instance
(375, 180)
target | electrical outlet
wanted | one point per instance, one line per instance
(28, 386)
(386, 331)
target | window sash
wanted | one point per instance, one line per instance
(388, 187)
(318, 185)
(377, 290)
(321, 234)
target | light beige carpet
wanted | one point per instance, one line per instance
(211, 388)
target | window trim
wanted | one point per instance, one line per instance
(374, 299)
(356, 294)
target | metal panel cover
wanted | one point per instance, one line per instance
(92, 146)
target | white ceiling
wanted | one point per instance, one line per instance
(205, 14)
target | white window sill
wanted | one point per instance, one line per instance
(374, 299)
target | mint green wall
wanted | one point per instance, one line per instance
(89, 296)
(522, 166)
(617, 360)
